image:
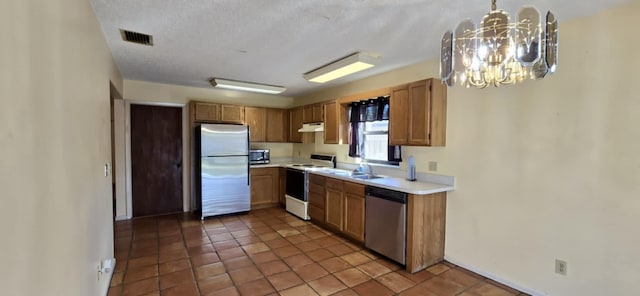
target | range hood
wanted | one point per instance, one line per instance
(312, 127)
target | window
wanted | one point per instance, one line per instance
(369, 132)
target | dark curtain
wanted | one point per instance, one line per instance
(373, 109)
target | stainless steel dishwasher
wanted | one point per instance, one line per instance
(386, 222)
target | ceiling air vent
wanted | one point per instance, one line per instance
(136, 37)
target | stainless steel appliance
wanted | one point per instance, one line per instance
(259, 156)
(297, 183)
(386, 222)
(223, 170)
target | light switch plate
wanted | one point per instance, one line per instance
(433, 166)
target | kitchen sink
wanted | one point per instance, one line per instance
(365, 176)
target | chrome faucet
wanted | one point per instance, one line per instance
(369, 167)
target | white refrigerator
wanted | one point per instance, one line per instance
(224, 169)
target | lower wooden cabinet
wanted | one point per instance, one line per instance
(344, 209)
(265, 187)
(316, 198)
(354, 210)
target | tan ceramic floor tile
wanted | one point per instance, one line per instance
(141, 287)
(215, 283)
(184, 289)
(176, 278)
(334, 264)
(438, 268)
(273, 267)
(173, 266)
(263, 257)
(256, 288)
(287, 251)
(302, 290)
(244, 275)
(256, 248)
(209, 270)
(140, 273)
(327, 285)
(352, 277)
(460, 277)
(237, 263)
(310, 272)
(374, 269)
(372, 288)
(298, 260)
(319, 255)
(442, 286)
(284, 280)
(204, 259)
(355, 258)
(395, 282)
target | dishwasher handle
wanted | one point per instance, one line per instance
(391, 195)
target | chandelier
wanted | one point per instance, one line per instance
(499, 51)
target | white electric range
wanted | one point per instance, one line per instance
(297, 183)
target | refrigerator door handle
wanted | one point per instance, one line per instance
(248, 162)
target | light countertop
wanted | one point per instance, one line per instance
(392, 183)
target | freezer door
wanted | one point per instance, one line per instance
(223, 140)
(225, 185)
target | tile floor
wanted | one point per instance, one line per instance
(267, 252)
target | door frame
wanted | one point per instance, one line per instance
(186, 200)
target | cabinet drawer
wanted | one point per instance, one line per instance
(333, 183)
(315, 179)
(315, 188)
(354, 188)
(316, 213)
(316, 199)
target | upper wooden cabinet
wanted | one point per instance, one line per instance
(232, 114)
(295, 123)
(312, 113)
(277, 125)
(206, 111)
(418, 114)
(217, 113)
(256, 119)
(331, 123)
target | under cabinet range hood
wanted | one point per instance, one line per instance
(312, 127)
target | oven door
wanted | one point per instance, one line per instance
(296, 184)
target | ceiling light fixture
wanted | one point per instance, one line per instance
(345, 66)
(499, 51)
(246, 86)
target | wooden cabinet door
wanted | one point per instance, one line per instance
(307, 114)
(232, 114)
(317, 113)
(334, 208)
(398, 119)
(207, 112)
(265, 187)
(354, 216)
(276, 130)
(295, 123)
(354, 210)
(261, 189)
(255, 118)
(419, 113)
(331, 123)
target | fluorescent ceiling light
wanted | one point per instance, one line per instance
(246, 86)
(342, 67)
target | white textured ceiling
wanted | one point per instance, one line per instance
(276, 41)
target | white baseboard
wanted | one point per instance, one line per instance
(493, 277)
(109, 275)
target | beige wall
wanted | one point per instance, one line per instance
(546, 169)
(56, 214)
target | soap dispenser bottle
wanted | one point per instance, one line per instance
(411, 170)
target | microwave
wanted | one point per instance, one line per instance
(259, 156)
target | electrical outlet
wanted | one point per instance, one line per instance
(561, 267)
(298, 153)
(433, 166)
